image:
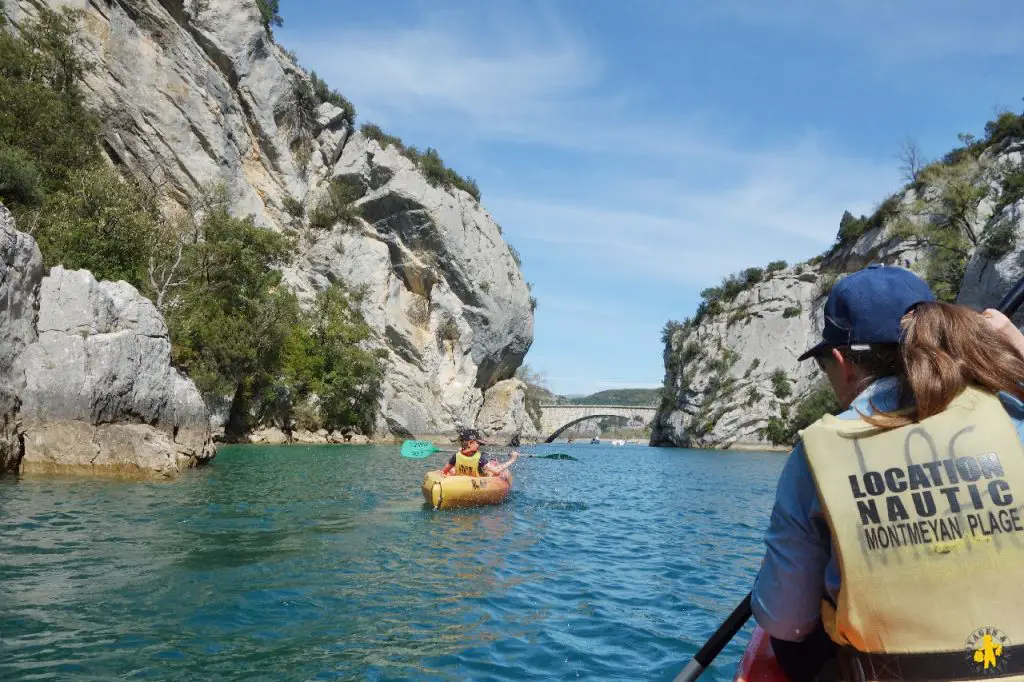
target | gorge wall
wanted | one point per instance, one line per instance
(731, 374)
(195, 94)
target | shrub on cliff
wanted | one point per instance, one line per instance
(270, 14)
(101, 222)
(819, 401)
(46, 132)
(780, 384)
(1007, 126)
(324, 93)
(429, 162)
(338, 206)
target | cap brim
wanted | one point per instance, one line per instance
(816, 350)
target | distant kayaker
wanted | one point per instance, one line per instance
(897, 536)
(469, 461)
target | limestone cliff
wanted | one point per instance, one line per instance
(21, 271)
(195, 94)
(86, 383)
(731, 375)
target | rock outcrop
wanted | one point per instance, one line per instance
(86, 383)
(731, 374)
(21, 271)
(442, 289)
(504, 416)
(100, 395)
(195, 94)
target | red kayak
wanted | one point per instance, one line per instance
(758, 663)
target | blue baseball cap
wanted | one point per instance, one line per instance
(866, 307)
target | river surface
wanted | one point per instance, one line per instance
(321, 563)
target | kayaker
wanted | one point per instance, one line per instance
(895, 538)
(469, 461)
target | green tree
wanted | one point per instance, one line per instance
(233, 317)
(327, 361)
(46, 133)
(270, 14)
(101, 222)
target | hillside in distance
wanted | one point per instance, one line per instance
(621, 396)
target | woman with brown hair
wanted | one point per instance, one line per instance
(897, 535)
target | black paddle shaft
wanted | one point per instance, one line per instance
(1008, 305)
(725, 633)
(1012, 300)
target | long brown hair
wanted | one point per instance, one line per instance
(945, 348)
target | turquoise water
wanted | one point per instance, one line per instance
(321, 563)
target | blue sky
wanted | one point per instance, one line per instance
(635, 152)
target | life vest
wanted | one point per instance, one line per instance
(928, 529)
(467, 465)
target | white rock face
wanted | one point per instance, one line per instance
(100, 396)
(442, 289)
(194, 94)
(503, 416)
(720, 371)
(986, 280)
(21, 271)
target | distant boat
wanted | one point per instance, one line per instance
(618, 442)
(595, 441)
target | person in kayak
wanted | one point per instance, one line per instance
(469, 461)
(897, 537)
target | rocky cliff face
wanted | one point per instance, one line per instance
(86, 384)
(441, 286)
(195, 94)
(21, 271)
(732, 370)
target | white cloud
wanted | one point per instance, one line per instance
(779, 207)
(506, 82)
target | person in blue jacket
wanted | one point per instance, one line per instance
(865, 318)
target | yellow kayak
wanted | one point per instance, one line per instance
(454, 492)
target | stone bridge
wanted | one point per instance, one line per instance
(557, 418)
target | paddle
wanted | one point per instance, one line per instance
(1008, 305)
(421, 449)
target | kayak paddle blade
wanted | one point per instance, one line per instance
(418, 449)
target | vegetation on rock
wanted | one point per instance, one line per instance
(235, 330)
(819, 401)
(429, 162)
(536, 393)
(270, 14)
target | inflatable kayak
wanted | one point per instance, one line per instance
(454, 492)
(758, 663)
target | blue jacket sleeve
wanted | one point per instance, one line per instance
(791, 583)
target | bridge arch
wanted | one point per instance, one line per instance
(557, 418)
